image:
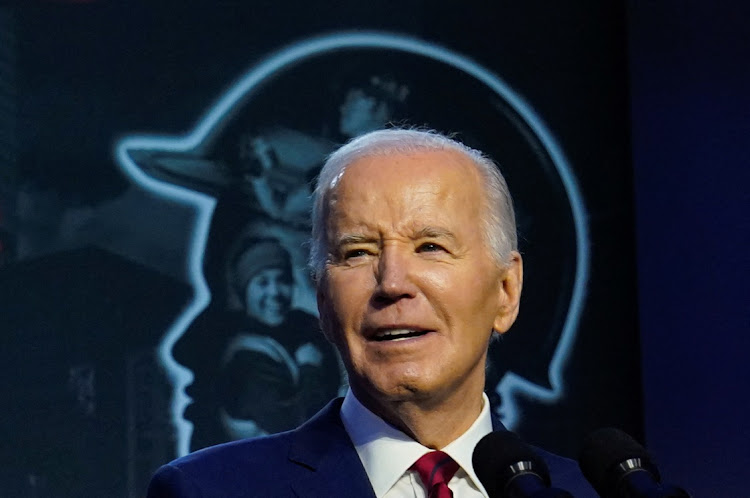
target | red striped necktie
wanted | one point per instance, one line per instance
(436, 470)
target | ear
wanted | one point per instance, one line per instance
(509, 293)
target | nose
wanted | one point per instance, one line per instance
(273, 287)
(394, 275)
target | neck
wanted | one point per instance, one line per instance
(432, 423)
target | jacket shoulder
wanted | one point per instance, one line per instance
(317, 457)
(250, 467)
(566, 474)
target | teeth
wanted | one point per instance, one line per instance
(398, 334)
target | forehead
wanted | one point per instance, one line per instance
(269, 271)
(407, 168)
(405, 185)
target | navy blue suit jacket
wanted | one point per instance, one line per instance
(315, 460)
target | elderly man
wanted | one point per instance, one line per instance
(414, 254)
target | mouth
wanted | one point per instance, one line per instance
(400, 334)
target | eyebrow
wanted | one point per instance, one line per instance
(354, 238)
(431, 232)
(428, 232)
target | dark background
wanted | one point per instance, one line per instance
(83, 75)
(691, 120)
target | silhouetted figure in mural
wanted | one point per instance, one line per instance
(278, 164)
(260, 366)
(259, 362)
(371, 106)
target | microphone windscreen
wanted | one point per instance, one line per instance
(496, 453)
(603, 450)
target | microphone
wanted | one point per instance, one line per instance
(509, 468)
(618, 467)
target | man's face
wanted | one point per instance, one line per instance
(411, 294)
(268, 296)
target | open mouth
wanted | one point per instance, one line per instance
(398, 334)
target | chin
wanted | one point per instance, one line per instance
(404, 388)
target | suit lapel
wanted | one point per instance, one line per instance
(327, 463)
(496, 424)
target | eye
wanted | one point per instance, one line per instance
(355, 253)
(430, 247)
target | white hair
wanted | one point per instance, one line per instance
(498, 220)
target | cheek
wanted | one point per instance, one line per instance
(442, 283)
(347, 310)
(350, 292)
(446, 293)
(468, 300)
(256, 305)
(346, 303)
(285, 290)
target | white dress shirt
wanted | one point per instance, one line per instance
(387, 453)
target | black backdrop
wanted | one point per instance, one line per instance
(96, 265)
(690, 120)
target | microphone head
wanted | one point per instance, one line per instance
(501, 456)
(602, 454)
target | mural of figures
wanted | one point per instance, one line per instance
(260, 365)
(156, 167)
(371, 105)
(259, 158)
(269, 367)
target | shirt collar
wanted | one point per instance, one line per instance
(387, 453)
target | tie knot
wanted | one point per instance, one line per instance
(436, 469)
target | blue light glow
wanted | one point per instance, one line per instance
(218, 114)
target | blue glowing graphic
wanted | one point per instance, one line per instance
(221, 112)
